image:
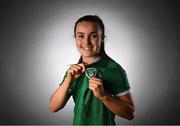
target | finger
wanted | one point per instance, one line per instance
(84, 64)
(74, 69)
(72, 72)
(93, 84)
(83, 67)
(91, 87)
(96, 84)
(95, 78)
(99, 82)
(77, 67)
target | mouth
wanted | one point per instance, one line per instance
(87, 48)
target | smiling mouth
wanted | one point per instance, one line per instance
(87, 48)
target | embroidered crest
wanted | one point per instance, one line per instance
(91, 72)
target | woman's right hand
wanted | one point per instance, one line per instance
(61, 96)
(75, 71)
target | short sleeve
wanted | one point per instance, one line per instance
(72, 86)
(115, 80)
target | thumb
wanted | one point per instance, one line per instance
(83, 65)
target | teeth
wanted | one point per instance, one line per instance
(87, 48)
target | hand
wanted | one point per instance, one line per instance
(76, 70)
(96, 85)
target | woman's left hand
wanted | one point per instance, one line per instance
(96, 85)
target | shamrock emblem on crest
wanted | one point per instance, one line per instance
(91, 72)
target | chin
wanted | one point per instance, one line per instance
(86, 55)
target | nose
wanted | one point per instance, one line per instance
(87, 41)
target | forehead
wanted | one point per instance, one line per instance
(86, 26)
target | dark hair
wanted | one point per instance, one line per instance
(94, 19)
(91, 18)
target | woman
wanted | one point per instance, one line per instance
(98, 84)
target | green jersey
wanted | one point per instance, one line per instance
(89, 110)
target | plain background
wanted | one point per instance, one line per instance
(37, 44)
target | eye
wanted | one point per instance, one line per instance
(80, 36)
(94, 36)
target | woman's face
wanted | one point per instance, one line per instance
(88, 39)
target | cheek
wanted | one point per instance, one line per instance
(78, 43)
(97, 42)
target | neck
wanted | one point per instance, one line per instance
(89, 60)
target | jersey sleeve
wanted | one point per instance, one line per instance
(116, 81)
(71, 87)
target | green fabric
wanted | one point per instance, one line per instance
(88, 109)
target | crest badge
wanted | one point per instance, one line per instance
(91, 72)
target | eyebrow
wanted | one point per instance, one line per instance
(93, 33)
(80, 33)
(90, 33)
